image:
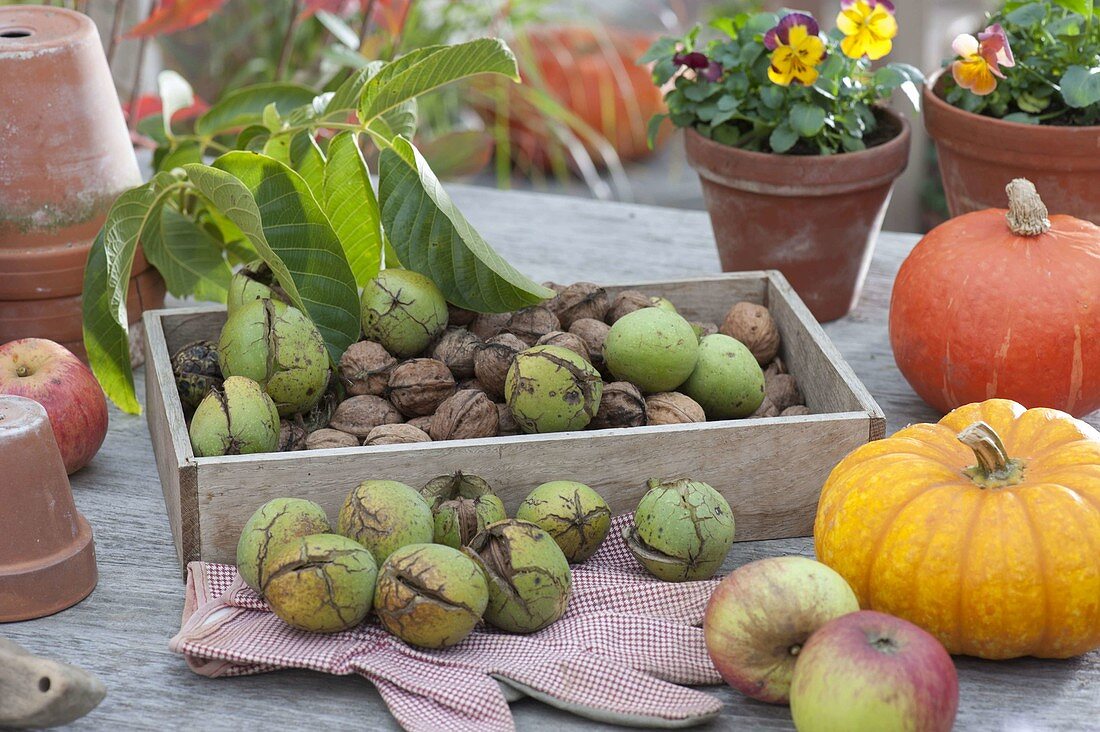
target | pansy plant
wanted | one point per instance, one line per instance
(777, 83)
(1035, 62)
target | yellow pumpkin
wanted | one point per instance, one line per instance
(983, 529)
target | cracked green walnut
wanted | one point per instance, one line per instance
(270, 528)
(430, 595)
(527, 573)
(403, 310)
(682, 530)
(237, 419)
(323, 583)
(552, 389)
(279, 348)
(459, 520)
(385, 515)
(575, 515)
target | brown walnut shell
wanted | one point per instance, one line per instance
(487, 325)
(506, 423)
(418, 386)
(767, 408)
(492, 360)
(456, 349)
(783, 391)
(421, 423)
(752, 324)
(365, 368)
(395, 434)
(580, 300)
(798, 410)
(572, 341)
(361, 414)
(325, 438)
(554, 286)
(593, 333)
(532, 323)
(292, 436)
(672, 407)
(627, 302)
(775, 367)
(466, 415)
(459, 316)
(622, 405)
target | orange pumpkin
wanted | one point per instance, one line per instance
(983, 529)
(1002, 304)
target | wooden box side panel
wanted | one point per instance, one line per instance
(791, 457)
(171, 446)
(825, 378)
(706, 299)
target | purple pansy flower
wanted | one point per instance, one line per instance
(709, 70)
(780, 35)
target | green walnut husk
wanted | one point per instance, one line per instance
(575, 515)
(652, 348)
(271, 527)
(727, 382)
(430, 595)
(403, 310)
(385, 515)
(237, 419)
(196, 369)
(682, 530)
(459, 520)
(322, 583)
(528, 576)
(455, 485)
(552, 389)
(254, 281)
(278, 347)
(663, 303)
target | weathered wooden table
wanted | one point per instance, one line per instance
(121, 632)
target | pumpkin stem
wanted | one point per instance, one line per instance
(1027, 214)
(994, 469)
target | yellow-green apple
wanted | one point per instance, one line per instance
(760, 616)
(52, 376)
(869, 670)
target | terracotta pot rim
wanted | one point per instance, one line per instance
(936, 109)
(801, 175)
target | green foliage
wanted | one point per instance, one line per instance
(1056, 79)
(744, 108)
(302, 202)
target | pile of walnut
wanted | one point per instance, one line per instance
(455, 389)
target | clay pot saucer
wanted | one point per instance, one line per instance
(47, 555)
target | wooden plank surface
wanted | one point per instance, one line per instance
(121, 632)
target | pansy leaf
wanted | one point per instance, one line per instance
(1084, 8)
(1027, 15)
(1021, 117)
(1081, 86)
(783, 138)
(807, 119)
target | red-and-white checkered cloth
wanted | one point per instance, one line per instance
(620, 653)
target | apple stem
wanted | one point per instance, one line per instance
(795, 649)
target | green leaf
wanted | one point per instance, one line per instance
(351, 206)
(654, 128)
(450, 63)
(175, 94)
(661, 49)
(1084, 8)
(771, 96)
(783, 138)
(273, 207)
(245, 106)
(1021, 117)
(1027, 15)
(134, 215)
(806, 119)
(432, 237)
(189, 259)
(189, 151)
(1081, 86)
(347, 94)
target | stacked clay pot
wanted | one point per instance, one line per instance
(66, 157)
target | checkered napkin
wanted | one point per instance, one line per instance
(619, 654)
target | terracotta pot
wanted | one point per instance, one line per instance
(815, 218)
(66, 157)
(47, 556)
(979, 155)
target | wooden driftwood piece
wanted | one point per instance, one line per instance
(37, 692)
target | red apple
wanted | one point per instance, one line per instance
(52, 376)
(759, 617)
(869, 670)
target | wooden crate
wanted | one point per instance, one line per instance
(770, 470)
